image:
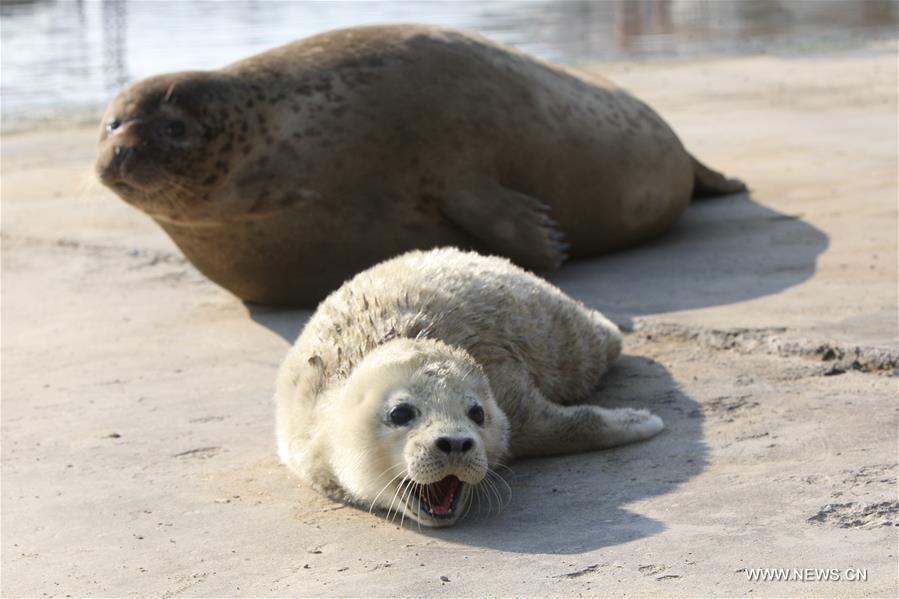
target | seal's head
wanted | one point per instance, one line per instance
(166, 143)
(416, 431)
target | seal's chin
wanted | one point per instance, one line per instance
(438, 504)
(125, 188)
(134, 190)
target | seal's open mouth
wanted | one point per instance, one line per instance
(440, 499)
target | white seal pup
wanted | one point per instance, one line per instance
(413, 380)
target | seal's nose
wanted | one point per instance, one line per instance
(111, 166)
(120, 154)
(454, 444)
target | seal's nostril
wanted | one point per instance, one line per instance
(444, 445)
(120, 153)
(448, 445)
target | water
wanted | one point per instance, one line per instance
(64, 59)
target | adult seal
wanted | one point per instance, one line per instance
(283, 174)
(415, 379)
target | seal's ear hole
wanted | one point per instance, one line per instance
(476, 413)
(175, 129)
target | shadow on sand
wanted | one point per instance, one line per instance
(284, 322)
(722, 251)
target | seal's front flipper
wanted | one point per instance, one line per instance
(508, 223)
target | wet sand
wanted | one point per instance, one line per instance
(137, 427)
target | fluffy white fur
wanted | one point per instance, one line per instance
(443, 331)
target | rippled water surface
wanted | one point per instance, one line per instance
(66, 58)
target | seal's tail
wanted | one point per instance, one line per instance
(709, 184)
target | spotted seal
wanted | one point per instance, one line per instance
(283, 174)
(416, 378)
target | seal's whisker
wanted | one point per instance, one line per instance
(170, 198)
(405, 501)
(496, 476)
(418, 508)
(467, 506)
(489, 496)
(184, 183)
(384, 488)
(403, 516)
(183, 187)
(477, 490)
(390, 513)
(501, 465)
(401, 492)
(87, 185)
(427, 490)
(173, 190)
(501, 501)
(491, 488)
(483, 488)
(389, 468)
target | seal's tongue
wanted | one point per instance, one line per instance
(439, 496)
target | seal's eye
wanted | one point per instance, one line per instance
(401, 414)
(113, 124)
(476, 413)
(175, 129)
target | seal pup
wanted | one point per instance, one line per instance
(413, 380)
(281, 175)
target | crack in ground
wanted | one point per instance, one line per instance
(579, 573)
(858, 515)
(152, 257)
(770, 341)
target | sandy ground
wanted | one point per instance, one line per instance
(137, 442)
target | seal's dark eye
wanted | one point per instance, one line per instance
(476, 413)
(401, 414)
(175, 129)
(113, 124)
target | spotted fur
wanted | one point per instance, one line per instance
(306, 164)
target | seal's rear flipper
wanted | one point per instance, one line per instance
(708, 183)
(508, 223)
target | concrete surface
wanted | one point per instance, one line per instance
(137, 438)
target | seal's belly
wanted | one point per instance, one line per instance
(278, 260)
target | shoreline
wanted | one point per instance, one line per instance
(86, 116)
